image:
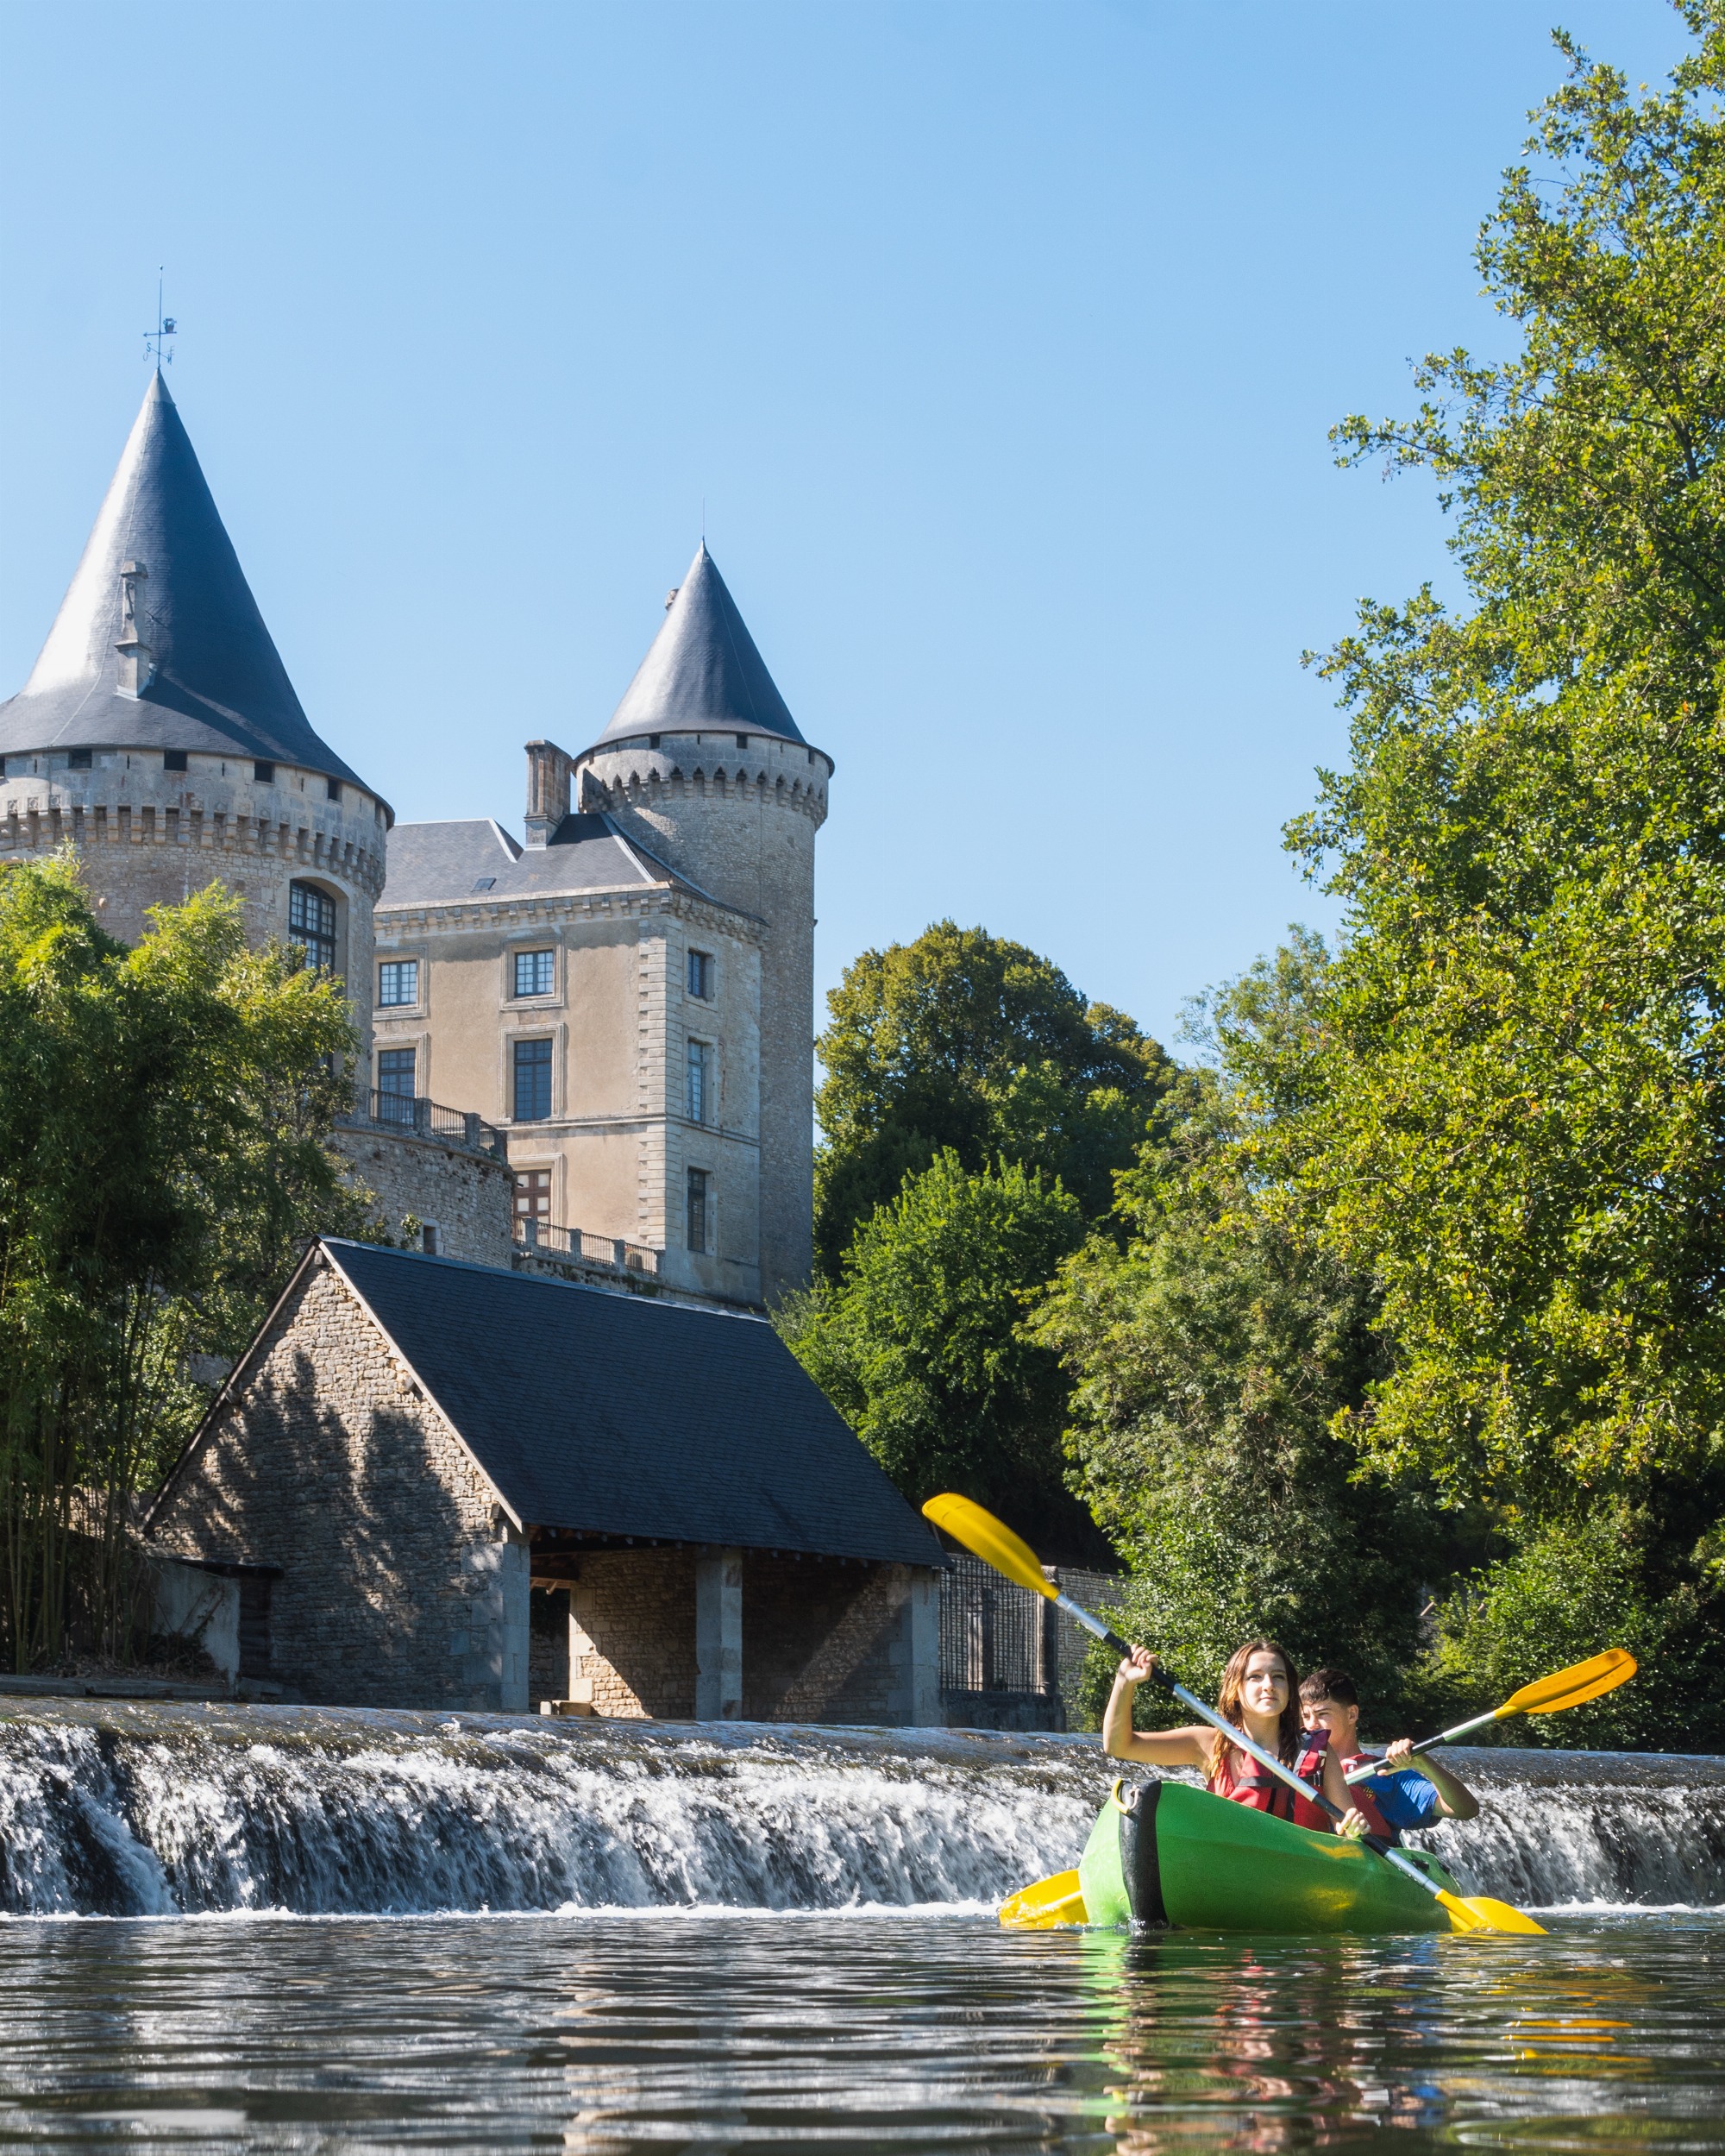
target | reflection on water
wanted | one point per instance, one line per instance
(893, 2032)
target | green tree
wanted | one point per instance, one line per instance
(964, 1041)
(161, 1117)
(1211, 1355)
(1520, 1118)
(1513, 1115)
(919, 1347)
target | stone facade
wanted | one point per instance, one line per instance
(739, 819)
(149, 837)
(619, 1140)
(461, 1197)
(822, 1640)
(400, 1579)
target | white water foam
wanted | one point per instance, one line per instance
(133, 1812)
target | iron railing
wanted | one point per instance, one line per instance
(998, 1638)
(588, 1249)
(423, 1118)
(994, 1637)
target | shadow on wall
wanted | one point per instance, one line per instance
(382, 1587)
(818, 1638)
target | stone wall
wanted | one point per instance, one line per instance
(148, 837)
(823, 1641)
(741, 821)
(400, 1583)
(469, 1196)
(632, 1632)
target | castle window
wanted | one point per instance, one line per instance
(173, 759)
(532, 1081)
(742, 740)
(264, 774)
(78, 760)
(395, 1086)
(696, 1206)
(700, 1082)
(701, 975)
(533, 972)
(431, 1239)
(398, 981)
(312, 924)
(484, 883)
(335, 786)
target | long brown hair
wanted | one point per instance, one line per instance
(1229, 1700)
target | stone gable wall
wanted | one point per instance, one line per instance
(398, 1586)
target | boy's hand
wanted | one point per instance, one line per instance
(1352, 1824)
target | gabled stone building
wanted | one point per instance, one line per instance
(410, 1445)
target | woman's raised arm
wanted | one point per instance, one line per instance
(1156, 1748)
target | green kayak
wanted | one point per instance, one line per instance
(1162, 1852)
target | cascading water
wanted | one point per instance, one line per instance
(125, 1810)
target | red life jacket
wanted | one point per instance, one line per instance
(1359, 1793)
(1256, 1786)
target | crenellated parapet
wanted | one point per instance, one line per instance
(679, 767)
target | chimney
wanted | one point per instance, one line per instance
(548, 790)
(137, 669)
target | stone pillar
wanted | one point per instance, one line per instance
(718, 1638)
(915, 1652)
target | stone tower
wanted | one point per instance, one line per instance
(159, 734)
(704, 763)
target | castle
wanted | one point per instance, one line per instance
(592, 1050)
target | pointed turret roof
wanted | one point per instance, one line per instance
(218, 683)
(703, 670)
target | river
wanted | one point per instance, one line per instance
(307, 1929)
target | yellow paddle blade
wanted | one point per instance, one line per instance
(1050, 1902)
(1569, 1688)
(986, 1537)
(1479, 1912)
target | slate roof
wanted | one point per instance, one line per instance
(220, 685)
(624, 1416)
(702, 670)
(441, 863)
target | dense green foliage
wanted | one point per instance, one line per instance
(919, 1347)
(964, 1042)
(160, 1116)
(1511, 1113)
(1212, 1353)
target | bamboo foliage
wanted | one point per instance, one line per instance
(162, 1114)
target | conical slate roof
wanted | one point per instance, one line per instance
(702, 670)
(219, 684)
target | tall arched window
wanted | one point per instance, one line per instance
(312, 924)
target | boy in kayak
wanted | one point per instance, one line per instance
(1411, 1798)
(1260, 1693)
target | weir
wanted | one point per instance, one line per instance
(122, 1809)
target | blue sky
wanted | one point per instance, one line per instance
(1000, 342)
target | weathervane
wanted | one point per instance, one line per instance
(155, 347)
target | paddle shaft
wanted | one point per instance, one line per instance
(1443, 1737)
(1280, 1768)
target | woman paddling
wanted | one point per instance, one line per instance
(1260, 1693)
